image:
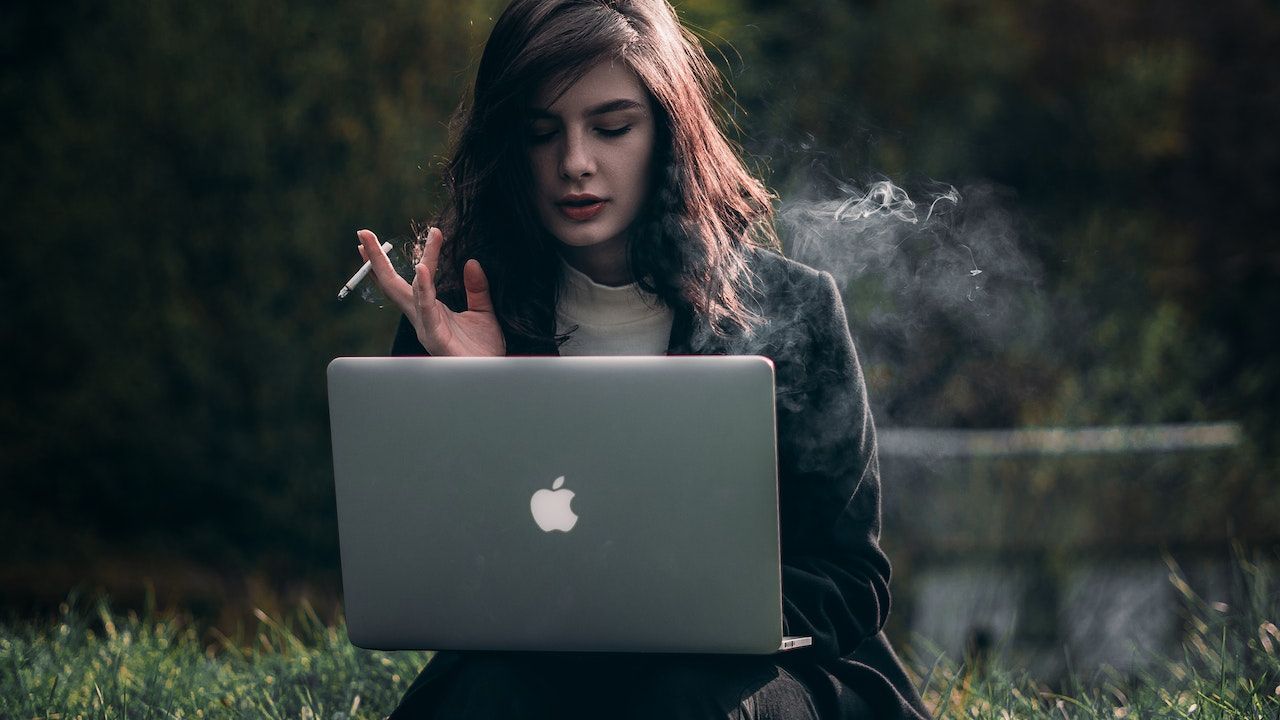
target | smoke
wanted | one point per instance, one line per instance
(952, 257)
(942, 296)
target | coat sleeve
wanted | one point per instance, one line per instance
(835, 578)
(405, 341)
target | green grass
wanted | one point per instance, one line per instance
(1229, 667)
(96, 664)
(92, 663)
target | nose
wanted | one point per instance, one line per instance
(575, 159)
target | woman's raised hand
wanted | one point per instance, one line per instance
(440, 330)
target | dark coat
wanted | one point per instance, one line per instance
(835, 578)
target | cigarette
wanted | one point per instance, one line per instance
(364, 270)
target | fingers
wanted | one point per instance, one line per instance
(424, 278)
(392, 285)
(418, 299)
(426, 307)
(424, 287)
(431, 253)
(477, 285)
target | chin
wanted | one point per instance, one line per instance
(582, 237)
(579, 241)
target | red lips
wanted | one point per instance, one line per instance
(580, 208)
(579, 200)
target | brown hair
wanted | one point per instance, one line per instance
(687, 243)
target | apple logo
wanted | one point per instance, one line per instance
(551, 510)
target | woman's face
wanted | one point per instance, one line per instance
(595, 140)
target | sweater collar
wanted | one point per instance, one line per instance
(679, 343)
(690, 335)
(583, 300)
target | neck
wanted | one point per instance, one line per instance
(605, 265)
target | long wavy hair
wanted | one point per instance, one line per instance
(688, 243)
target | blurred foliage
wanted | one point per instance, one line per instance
(201, 170)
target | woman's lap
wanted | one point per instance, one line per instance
(558, 685)
(701, 686)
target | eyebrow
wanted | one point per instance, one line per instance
(601, 109)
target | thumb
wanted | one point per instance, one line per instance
(477, 286)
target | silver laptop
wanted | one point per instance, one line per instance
(617, 504)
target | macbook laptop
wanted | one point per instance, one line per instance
(613, 504)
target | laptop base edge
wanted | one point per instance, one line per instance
(791, 642)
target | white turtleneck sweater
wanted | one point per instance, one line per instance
(621, 320)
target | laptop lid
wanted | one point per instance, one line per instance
(558, 503)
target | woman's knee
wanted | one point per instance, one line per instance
(782, 697)
(519, 674)
(723, 687)
(478, 685)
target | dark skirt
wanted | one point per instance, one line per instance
(568, 685)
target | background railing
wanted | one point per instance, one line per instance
(1065, 549)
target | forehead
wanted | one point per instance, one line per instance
(606, 81)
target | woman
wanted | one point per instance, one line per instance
(598, 209)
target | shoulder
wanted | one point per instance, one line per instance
(781, 284)
(778, 270)
(799, 309)
(802, 326)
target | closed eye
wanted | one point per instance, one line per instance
(607, 132)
